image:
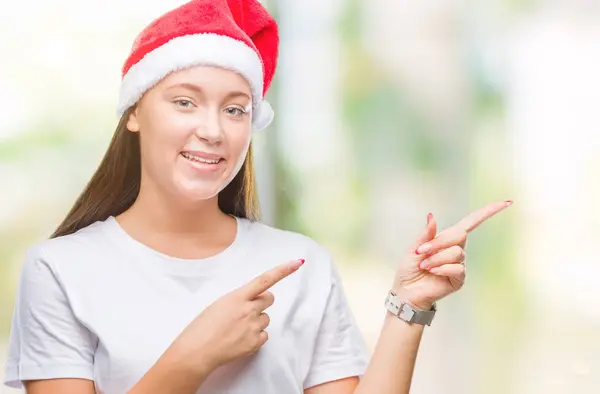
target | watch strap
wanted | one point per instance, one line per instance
(407, 312)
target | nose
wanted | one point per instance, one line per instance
(209, 128)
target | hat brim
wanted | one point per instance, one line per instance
(193, 50)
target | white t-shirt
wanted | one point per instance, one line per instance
(99, 305)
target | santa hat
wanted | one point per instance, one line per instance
(238, 35)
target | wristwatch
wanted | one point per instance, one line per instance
(407, 312)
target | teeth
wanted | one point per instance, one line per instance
(189, 156)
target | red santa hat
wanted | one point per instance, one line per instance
(238, 35)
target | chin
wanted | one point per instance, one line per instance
(197, 191)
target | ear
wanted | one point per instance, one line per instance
(132, 121)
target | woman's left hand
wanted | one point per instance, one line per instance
(434, 266)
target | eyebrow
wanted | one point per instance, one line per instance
(198, 89)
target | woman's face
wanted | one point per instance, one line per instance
(195, 130)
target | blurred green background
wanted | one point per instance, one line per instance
(386, 110)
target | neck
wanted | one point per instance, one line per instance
(163, 213)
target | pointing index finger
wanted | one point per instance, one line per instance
(474, 219)
(268, 279)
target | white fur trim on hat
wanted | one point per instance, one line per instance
(197, 49)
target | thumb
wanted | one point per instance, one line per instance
(427, 235)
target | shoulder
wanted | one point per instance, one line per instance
(72, 249)
(53, 268)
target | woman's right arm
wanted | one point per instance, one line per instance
(59, 386)
(173, 375)
(169, 375)
(231, 327)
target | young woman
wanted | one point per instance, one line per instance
(160, 278)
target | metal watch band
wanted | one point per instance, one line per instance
(406, 312)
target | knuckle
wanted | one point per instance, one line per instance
(451, 253)
(259, 340)
(247, 309)
(264, 281)
(270, 298)
(462, 274)
(459, 252)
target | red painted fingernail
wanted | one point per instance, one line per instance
(426, 247)
(297, 264)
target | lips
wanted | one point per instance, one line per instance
(201, 157)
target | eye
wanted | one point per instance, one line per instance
(236, 111)
(184, 103)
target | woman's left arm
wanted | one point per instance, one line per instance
(432, 269)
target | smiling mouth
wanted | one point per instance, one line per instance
(198, 159)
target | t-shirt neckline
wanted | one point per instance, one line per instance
(176, 265)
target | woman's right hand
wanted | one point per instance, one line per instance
(233, 326)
